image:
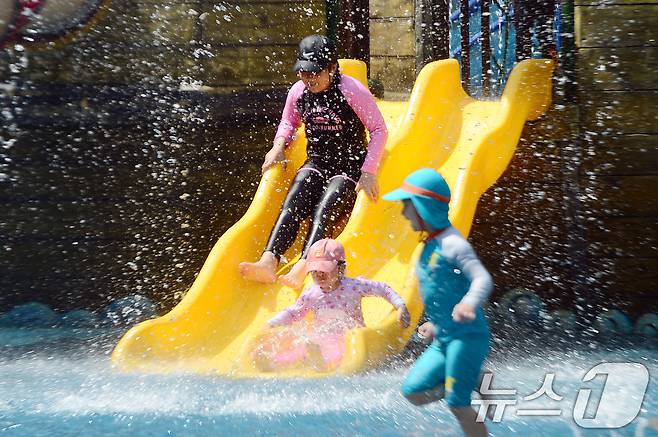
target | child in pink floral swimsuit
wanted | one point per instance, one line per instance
(335, 301)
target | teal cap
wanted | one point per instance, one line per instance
(430, 194)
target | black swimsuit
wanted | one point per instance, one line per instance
(324, 187)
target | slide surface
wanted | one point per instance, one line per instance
(471, 142)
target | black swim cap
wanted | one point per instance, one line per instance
(316, 52)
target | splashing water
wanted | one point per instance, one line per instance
(62, 382)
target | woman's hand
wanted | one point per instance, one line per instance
(427, 331)
(403, 316)
(463, 313)
(275, 156)
(368, 183)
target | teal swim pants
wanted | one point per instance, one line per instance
(456, 364)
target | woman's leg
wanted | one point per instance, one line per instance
(304, 193)
(337, 200)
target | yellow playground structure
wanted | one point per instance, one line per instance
(471, 142)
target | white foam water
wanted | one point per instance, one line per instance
(59, 394)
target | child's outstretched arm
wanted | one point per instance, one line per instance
(374, 288)
(293, 313)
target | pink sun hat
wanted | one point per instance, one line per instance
(324, 255)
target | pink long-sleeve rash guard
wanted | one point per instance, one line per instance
(339, 309)
(359, 99)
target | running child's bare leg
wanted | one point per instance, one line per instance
(295, 277)
(486, 396)
(427, 397)
(467, 420)
(263, 270)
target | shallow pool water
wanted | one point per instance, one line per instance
(62, 383)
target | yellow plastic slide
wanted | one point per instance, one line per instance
(471, 142)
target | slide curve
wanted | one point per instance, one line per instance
(471, 142)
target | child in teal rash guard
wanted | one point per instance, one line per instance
(453, 284)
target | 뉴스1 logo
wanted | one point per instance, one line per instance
(628, 378)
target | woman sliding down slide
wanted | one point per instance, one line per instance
(336, 111)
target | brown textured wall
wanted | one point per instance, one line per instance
(392, 44)
(524, 227)
(118, 173)
(221, 44)
(616, 61)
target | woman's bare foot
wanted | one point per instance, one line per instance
(295, 277)
(263, 270)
